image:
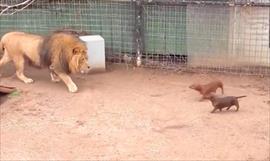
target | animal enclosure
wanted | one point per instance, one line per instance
(222, 35)
(143, 113)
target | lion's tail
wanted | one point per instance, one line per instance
(1, 49)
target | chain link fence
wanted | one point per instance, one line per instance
(230, 36)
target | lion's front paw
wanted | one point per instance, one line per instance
(28, 81)
(56, 80)
(72, 88)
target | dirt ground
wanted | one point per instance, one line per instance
(135, 114)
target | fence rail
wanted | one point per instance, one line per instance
(212, 35)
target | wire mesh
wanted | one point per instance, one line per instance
(208, 37)
(212, 35)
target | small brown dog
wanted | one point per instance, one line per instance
(220, 102)
(206, 89)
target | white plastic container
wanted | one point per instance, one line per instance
(95, 51)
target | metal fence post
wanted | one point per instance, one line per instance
(139, 31)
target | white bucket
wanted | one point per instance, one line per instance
(95, 51)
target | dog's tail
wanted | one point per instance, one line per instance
(240, 96)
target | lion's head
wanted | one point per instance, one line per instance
(65, 53)
(79, 60)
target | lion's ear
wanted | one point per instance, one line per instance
(76, 50)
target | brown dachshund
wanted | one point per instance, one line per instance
(206, 89)
(220, 102)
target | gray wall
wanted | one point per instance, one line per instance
(207, 35)
(249, 36)
(219, 36)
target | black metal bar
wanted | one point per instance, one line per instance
(179, 2)
(138, 34)
(206, 2)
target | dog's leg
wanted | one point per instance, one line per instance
(68, 81)
(54, 77)
(204, 97)
(228, 108)
(222, 90)
(214, 110)
(237, 105)
(19, 64)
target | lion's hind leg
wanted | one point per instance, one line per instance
(54, 77)
(5, 59)
(19, 64)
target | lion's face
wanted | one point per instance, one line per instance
(79, 61)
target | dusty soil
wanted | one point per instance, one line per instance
(140, 114)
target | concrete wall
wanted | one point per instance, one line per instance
(207, 35)
(219, 36)
(249, 36)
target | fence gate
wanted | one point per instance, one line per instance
(207, 35)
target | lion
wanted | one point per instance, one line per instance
(65, 53)
(17, 45)
(62, 53)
